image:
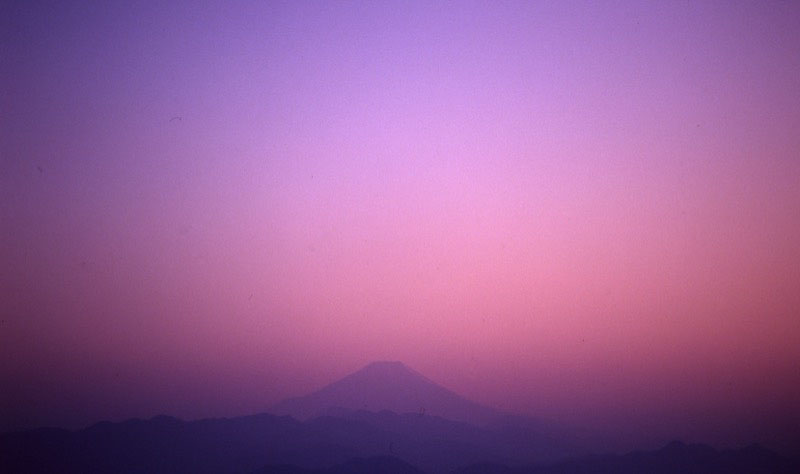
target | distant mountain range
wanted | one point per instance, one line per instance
(384, 418)
(674, 458)
(377, 464)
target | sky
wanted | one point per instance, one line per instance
(585, 211)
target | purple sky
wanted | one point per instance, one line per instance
(585, 211)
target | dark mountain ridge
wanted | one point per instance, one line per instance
(164, 444)
(431, 428)
(408, 425)
(674, 458)
(376, 464)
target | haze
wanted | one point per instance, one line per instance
(584, 212)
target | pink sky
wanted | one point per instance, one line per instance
(589, 212)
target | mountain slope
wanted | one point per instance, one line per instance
(168, 445)
(388, 386)
(227, 445)
(675, 458)
(433, 443)
(385, 441)
(376, 464)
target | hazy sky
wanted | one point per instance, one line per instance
(585, 211)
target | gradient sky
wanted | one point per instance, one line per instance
(584, 211)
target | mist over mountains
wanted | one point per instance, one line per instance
(385, 417)
(584, 216)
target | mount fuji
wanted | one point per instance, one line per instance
(388, 385)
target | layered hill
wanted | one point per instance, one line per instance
(384, 409)
(674, 458)
(384, 418)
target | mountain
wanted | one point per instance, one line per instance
(391, 386)
(168, 445)
(235, 445)
(448, 444)
(357, 443)
(227, 445)
(422, 431)
(412, 432)
(388, 386)
(674, 458)
(376, 464)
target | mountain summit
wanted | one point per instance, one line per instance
(387, 385)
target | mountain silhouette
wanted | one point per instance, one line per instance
(392, 386)
(243, 444)
(169, 445)
(376, 464)
(414, 420)
(381, 442)
(674, 458)
(384, 418)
